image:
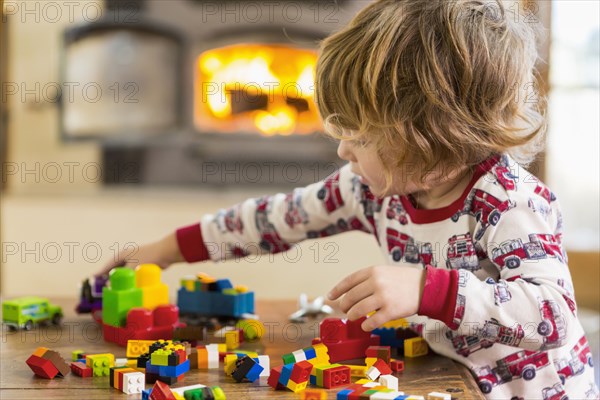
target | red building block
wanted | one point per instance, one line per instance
(345, 340)
(42, 367)
(273, 380)
(80, 369)
(301, 371)
(382, 352)
(161, 391)
(397, 365)
(382, 366)
(334, 377)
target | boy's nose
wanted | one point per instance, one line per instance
(344, 152)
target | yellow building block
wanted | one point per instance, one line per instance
(415, 347)
(154, 292)
(229, 363)
(232, 340)
(357, 371)
(313, 394)
(369, 361)
(136, 348)
(296, 387)
(363, 381)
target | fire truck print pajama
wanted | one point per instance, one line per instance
(498, 296)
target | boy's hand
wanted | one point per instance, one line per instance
(393, 291)
(162, 253)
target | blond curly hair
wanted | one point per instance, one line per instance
(433, 82)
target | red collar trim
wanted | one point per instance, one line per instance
(422, 216)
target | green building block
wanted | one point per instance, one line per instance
(121, 296)
(160, 357)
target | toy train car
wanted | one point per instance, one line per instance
(206, 297)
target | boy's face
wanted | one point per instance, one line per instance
(366, 163)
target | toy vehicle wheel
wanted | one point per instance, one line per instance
(485, 387)
(544, 328)
(528, 374)
(397, 255)
(512, 263)
(590, 361)
(494, 218)
(56, 319)
(562, 379)
(455, 217)
(321, 194)
(28, 325)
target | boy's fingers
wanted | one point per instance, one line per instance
(347, 283)
(375, 321)
(362, 308)
(355, 295)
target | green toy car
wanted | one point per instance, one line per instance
(24, 312)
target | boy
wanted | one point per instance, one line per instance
(421, 96)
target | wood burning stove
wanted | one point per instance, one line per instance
(225, 96)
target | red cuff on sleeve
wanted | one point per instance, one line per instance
(439, 295)
(191, 244)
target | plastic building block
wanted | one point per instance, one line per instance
(203, 296)
(246, 368)
(133, 382)
(100, 363)
(334, 377)
(161, 391)
(114, 374)
(357, 371)
(415, 347)
(389, 381)
(80, 369)
(397, 365)
(60, 364)
(274, 378)
(301, 371)
(136, 348)
(120, 297)
(77, 355)
(42, 367)
(345, 340)
(381, 352)
(232, 339)
(154, 292)
(265, 362)
(143, 324)
(313, 394)
(47, 364)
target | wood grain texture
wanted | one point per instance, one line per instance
(421, 375)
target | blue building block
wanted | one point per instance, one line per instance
(343, 394)
(254, 372)
(286, 374)
(223, 284)
(310, 353)
(146, 394)
(401, 397)
(313, 380)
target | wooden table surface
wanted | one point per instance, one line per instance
(421, 375)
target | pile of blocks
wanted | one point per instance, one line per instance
(293, 376)
(135, 305)
(166, 361)
(47, 364)
(249, 366)
(161, 391)
(204, 295)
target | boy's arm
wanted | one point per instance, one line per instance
(275, 223)
(531, 306)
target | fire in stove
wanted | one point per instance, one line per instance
(266, 89)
